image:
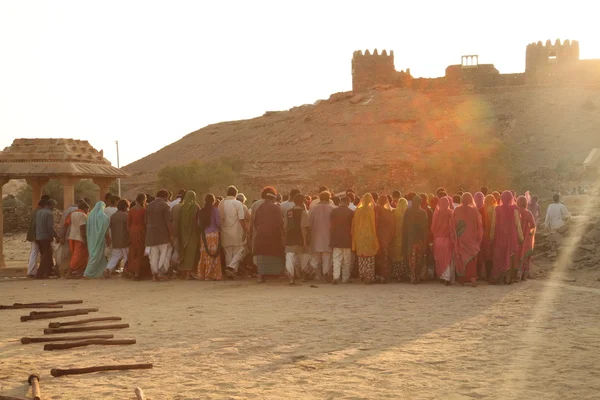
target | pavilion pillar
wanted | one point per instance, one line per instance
(104, 184)
(3, 181)
(68, 184)
(36, 184)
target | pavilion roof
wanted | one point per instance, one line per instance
(53, 158)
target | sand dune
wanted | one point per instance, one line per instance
(241, 340)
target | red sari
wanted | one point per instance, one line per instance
(137, 264)
(506, 239)
(469, 232)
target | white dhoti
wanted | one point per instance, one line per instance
(342, 264)
(321, 262)
(34, 255)
(234, 255)
(116, 256)
(295, 263)
(160, 258)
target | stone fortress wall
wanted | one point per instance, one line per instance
(549, 63)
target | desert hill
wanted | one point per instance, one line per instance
(390, 136)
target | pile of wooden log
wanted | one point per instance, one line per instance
(70, 342)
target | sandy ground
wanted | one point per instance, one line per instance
(240, 340)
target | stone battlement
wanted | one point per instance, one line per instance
(369, 69)
(545, 63)
(358, 54)
(556, 44)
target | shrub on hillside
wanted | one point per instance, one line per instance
(201, 177)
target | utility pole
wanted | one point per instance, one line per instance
(118, 166)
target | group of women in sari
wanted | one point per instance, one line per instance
(483, 237)
(391, 243)
(487, 237)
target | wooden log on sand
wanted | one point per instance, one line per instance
(82, 321)
(20, 307)
(51, 303)
(32, 313)
(34, 381)
(56, 372)
(56, 304)
(139, 394)
(27, 340)
(65, 346)
(58, 314)
(51, 331)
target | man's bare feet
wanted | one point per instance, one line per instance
(334, 282)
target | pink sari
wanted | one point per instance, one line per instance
(506, 241)
(441, 228)
(469, 232)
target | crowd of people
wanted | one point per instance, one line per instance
(375, 237)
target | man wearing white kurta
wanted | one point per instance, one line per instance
(233, 229)
(557, 214)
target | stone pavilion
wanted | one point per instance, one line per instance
(67, 160)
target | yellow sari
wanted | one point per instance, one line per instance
(364, 232)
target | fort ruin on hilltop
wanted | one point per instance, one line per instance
(544, 64)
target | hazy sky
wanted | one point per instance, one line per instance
(147, 73)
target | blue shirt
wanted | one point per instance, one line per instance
(44, 225)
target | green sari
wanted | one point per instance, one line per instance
(188, 233)
(96, 227)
